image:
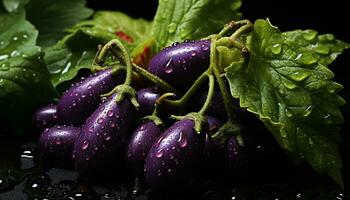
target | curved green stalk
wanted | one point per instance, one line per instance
(228, 99)
(209, 95)
(119, 51)
(190, 92)
(154, 79)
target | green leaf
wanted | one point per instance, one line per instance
(52, 18)
(288, 86)
(177, 20)
(24, 79)
(14, 5)
(108, 25)
(77, 50)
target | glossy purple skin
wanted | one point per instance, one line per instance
(141, 141)
(57, 142)
(45, 116)
(173, 158)
(83, 97)
(181, 64)
(214, 124)
(103, 135)
(147, 98)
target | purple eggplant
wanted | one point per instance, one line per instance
(147, 98)
(174, 157)
(83, 97)
(45, 117)
(214, 124)
(103, 136)
(141, 141)
(181, 64)
(57, 142)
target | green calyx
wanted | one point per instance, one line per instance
(124, 91)
(228, 130)
(199, 120)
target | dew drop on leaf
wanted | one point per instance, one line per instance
(171, 28)
(300, 75)
(288, 113)
(276, 49)
(288, 84)
(308, 110)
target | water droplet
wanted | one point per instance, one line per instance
(327, 116)
(321, 49)
(300, 75)
(169, 170)
(168, 67)
(34, 185)
(311, 142)
(308, 110)
(172, 28)
(187, 40)
(193, 54)
(74, 104)
(91, 129)
(175, 43)
(276, 49)
(159, 153)
(112, 124)
(85, 145)
(205, 47)
(15, 53)
(110, 113)
(34, 74)
(288, 84)
(106, 136)
(305, 58)
(89, 87)
(4, 67)
(3, 57)
(182, 141)
(100, 120)
(25, 36)
(58, 141)
(159, 173)
(142, 128)
(15, 38)
(83, 96)
(288, 113)
(310, 34)
(87, 158)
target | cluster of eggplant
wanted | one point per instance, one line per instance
(97, 133)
